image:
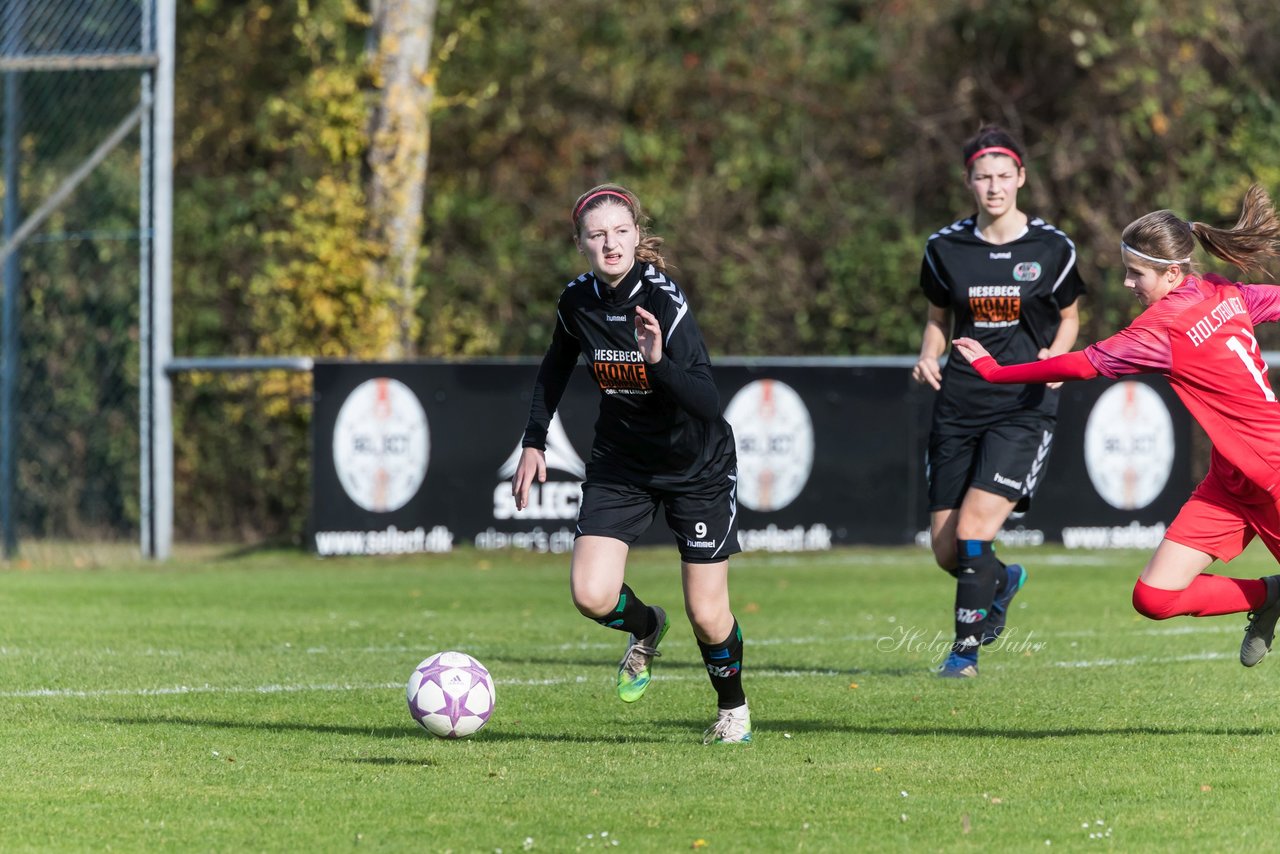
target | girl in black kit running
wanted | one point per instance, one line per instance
(1010, 281)
(660, 440)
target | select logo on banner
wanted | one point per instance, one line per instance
(1129, 445)
(381, 445)
(555, 499)
(775, 444)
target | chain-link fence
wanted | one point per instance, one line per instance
(73, 134)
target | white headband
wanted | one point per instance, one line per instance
(1165, 261)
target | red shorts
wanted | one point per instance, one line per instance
(1217, 522)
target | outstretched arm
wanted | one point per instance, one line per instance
(1068, 328)
(1068, 366)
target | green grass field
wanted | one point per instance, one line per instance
(256, 703)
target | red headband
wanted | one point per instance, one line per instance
(583, 203)
(994, 149)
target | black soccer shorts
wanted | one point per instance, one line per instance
(1008, 458)
(704, 522)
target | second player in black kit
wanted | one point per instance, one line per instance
(660, 442)
(1003, 295)
(1010, 281)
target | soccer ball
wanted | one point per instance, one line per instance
(451, 695)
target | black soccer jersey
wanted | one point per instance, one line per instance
(1009, 298)
(659, 425)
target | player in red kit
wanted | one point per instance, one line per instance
(1197, 330)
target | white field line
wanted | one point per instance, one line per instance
(1070, 560)
(1130, 662)
(763, 673)
(337, 687)
(585, 647)
(920, 557)
(419, 649)
(894, 630)
(1227, 627)
(809, 559)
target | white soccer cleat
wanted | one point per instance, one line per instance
(732, 726)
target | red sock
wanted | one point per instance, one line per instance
(1207, 596)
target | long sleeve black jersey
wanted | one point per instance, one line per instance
(659, 425)
(1007, 296)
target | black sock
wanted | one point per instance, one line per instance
(724, 666)
(981, 574)
(630, 615)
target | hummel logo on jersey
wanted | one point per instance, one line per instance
(668, 287)
(1001, 256)
(1005, 481)
(663, 282)
(676, 296)
(1041, 453)
(616, 318)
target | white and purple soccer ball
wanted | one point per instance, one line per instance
(451, 695)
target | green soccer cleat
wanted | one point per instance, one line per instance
(1261, 629)
(633, 670)
(732, 726)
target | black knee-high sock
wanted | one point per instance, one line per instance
(630, 615)
(724, 666)
(979, 577)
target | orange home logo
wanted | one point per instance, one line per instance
(618, 376)
(995, 305)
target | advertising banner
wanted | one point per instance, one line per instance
(418, 457)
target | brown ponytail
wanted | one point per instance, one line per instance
(1165, 237)
(1254, 237)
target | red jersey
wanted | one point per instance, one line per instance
(1200, 336)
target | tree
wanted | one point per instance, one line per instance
(399, 140)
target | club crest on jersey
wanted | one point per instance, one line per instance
(1027, 271)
